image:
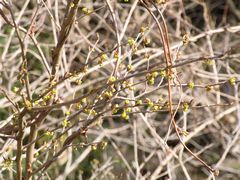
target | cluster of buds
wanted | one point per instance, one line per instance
(154, 106)
(7, 163)
(94, 146)
(16, 89)
(128, 85)
(185, 106)
(139, 102)
(83, 101)
(126, 102)
(47, 97)
(115, 108)
(151, 77)
(112, 79)
(163, 73)
(102, 58)
(132, 44)
(101, 145)
(78, 106)
(90, 112)
(78, 81)
(143, 29)
(65, 123)
(116, 54)
(49, 134)
(208, 62)
(108, 94)
(71, 5)
(129, 67)
(232, 81)
(126, 110)
(149, 102)
(191, 85)
(86, 11)
(125, 114)
(28, 104)
(185, 39)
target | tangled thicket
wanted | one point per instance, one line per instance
(131, 89)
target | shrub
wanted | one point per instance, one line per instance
(119, 89)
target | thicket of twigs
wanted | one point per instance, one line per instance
(131, 89)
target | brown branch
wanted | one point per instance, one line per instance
(19, 139)
(67, 24)
(24, 69)
(168, 55)
(32, 137)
